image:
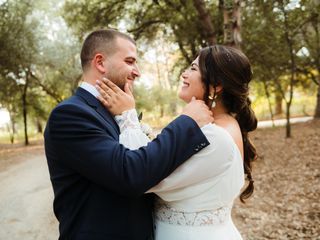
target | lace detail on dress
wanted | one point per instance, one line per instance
(128, 119)
(165, 213)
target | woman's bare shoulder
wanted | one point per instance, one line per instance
(232, 127)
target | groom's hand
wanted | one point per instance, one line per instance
(199, 112)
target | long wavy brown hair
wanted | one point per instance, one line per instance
(230, 68)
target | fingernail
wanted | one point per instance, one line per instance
(98, 82)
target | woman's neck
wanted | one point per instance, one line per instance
(219, 111)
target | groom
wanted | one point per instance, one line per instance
(98, 184)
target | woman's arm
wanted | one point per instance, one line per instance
(121, 104)
(131, 134)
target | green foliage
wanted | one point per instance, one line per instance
(17, 41)
(157, 104)
(177, 20)
(38, 65)
(87, 15)
(268, 28)
(17, 53)
(38, 48)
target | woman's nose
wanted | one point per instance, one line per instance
(184, 74)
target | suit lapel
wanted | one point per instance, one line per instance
(95, 104)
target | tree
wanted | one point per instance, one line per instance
(35, 62)
(187, 23)
(205, 21)
(11, 102)
(18, 50)
(309, 31)
(272, 43)
(231, 22)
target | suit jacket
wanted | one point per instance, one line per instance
(98, 184)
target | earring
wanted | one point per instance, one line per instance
(212, 98)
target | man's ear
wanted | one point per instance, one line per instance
(98, 63)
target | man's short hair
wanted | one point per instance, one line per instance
(102, 41)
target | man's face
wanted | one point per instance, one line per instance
(121, 67)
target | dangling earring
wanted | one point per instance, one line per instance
(213, 99)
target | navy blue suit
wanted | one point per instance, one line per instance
(98, 184)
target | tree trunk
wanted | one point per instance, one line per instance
(278, 105)
(24, 107)
(288, 125)
(205, 21)
(317, 111)
(39, 126)
(12, 125)
(10, 133)
(161, 111)
(269, 102)
(184, 52)
(317, 60)
(13, 129)
(76, 84)
(293, 68)
(232, 22)
(158, 71)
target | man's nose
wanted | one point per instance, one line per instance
(136, 71)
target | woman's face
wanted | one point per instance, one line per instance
(192, 85)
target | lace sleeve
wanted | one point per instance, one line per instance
(131, 134)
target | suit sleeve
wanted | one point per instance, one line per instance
(209, 164)
(84, 145)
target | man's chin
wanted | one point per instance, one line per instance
(130, 83)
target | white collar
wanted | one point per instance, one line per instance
(90, 88)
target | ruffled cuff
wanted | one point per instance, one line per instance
(128, 120)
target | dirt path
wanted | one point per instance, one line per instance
(26, 197)
(285, 204)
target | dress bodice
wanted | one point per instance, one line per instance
(210, 179)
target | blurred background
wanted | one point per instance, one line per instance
(40, 43)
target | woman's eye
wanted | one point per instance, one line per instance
(193, 68)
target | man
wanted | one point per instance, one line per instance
(98, 184)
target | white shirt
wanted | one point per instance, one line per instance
(90, 88)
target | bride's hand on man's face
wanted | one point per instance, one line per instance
(113, 98)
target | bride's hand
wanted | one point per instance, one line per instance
(113, 98)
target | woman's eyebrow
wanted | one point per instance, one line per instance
(194, 64)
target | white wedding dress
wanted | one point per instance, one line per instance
(196, 199)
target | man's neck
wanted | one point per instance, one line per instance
(91, 78)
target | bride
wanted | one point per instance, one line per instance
(195, 201)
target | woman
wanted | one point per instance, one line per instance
(196, 199)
